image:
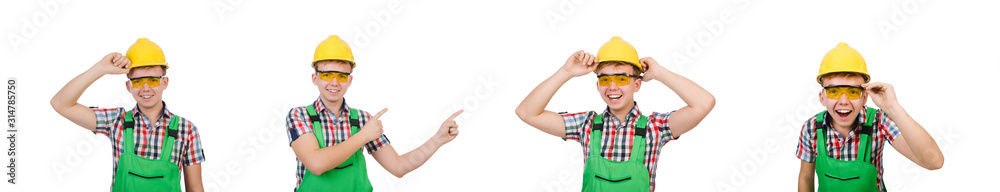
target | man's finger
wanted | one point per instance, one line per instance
(455, 115)
(379, 114)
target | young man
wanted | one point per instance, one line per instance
(852, 135)
(327, 135)
(151, 145)
(621, 145)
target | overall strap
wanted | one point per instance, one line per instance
(127, 139)
(820, 134)
(865, 147)
(639, 142)
(168, 141)
(354, 122)
(317, 128)
(596, 127)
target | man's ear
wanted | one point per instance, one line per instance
(314, 79)
(638, 84)
(350, 78)
(820, 97)
(128, 86)
(864, 99)
(166, 81)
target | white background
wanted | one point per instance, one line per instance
(236, 67)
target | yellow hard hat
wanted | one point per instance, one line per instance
(145, 53)
(843, 58)
(617, 49)
(333, 48)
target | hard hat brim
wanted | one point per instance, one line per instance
(134, 65)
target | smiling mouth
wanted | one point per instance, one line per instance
(843, 113)
(333, 91)
(614, 97)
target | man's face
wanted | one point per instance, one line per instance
(843, 110)
(148, 94)
(332, 91)
(617, 96)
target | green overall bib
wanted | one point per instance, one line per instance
(137, 173)
(601, 174)
(352, 175)
(846, 176)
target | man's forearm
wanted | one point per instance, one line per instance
(71, 92)
(414, 159)
(923, 146)
(690, 92)
(539, 97)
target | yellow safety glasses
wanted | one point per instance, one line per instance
(620, 79)
(835, 91)
(152, 81)
(330, 75)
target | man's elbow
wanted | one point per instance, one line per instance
(709, 103)
(521, 113)
(55, 104)
(936, 163)
(313, 168)
(398, 174)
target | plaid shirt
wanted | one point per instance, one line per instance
(149, 136)
(846, 149)
(617, 137)
(335, 130)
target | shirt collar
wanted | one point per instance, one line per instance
(320, 107)
(165, 113)
(631, 115)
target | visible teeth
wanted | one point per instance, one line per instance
(333, 91)
(614, 96)
(843, 111)
(146, 97)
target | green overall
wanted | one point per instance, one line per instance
(846, 176)
(137, 173)
(352, 175)
(601, 174)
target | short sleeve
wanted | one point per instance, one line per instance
(806, 150)
(107, 119)
(575, 122)
(296, 124)
(661, 121)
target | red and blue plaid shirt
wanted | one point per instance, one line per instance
(149, 135)
(617, 137)
(335, 129)
(846, 149)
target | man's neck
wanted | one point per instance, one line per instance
(152, 113)
(622, 113)
(333, 106)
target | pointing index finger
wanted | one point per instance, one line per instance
(379, 114)
(455, 115)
